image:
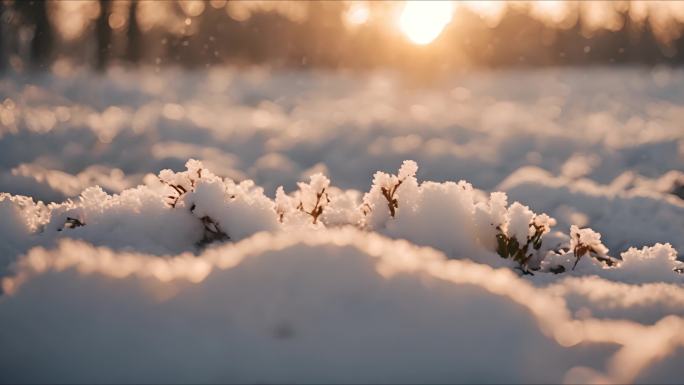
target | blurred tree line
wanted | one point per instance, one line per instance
(28, 39)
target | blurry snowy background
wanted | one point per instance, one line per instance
(597, 147)
(581, 118)
(575, 109)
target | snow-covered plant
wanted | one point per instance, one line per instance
(73, 214)
(312, 196)
(181, 182)
(520, 236)
(490, 218)
(387, 185)
(236, 209)
(212, 232)
(186, 182)
(283, 204)
(325, 204)
(588, 241)
(343, 208)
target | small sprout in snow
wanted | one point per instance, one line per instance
(523, 234)
(587, 241)
(388, 193)
(390, 183)
(313, 196)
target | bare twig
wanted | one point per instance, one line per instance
(509, 247)
(392, 202)
(582, 249)
(180, 190)
(317, 209)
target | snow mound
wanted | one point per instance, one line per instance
(344, 305)
(196, 278)
(190, 210)
(632, 217)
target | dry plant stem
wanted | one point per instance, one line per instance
(392, 202)
(212, 230)
(582, 249)
(366, 209)
(579, 251)
(180, 189)
(317, 209)
(199, 176)
(510, 248)
(174, 199)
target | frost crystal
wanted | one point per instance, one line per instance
(407, 169)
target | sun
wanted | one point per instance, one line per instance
(423, 21)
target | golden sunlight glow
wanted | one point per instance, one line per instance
(423, 21)
(357, 14)
(491, 12)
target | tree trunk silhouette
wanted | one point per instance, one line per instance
(133, 35)
(41, 47)
(103, 35)
(4, 52)
(35, 13)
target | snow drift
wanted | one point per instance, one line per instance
(196, 278)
